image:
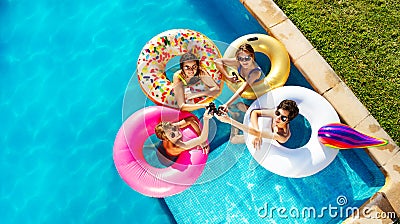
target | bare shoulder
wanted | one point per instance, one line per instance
(253, 77)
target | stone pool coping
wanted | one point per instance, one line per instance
(351, 111)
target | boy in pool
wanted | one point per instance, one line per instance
(286, 111)
(170, 134)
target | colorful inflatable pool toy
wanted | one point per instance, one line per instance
(341, 136)
(160, 49)
(276, 52)
(134, 169)
(303, 161)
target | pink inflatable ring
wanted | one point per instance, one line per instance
(134, 169)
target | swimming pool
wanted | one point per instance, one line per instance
(64, 69)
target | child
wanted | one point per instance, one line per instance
(170, 134)
(286, 111)
(251, 73)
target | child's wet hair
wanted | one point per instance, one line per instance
(189, 57)
(247, 48)
(290, 106)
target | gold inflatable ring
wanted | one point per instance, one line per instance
(280, 64)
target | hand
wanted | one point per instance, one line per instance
(235, 78)
(223, 117)
(257, 142)
(223, 108)
(205, 147)
(207, 114)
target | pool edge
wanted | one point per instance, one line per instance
(327, 83)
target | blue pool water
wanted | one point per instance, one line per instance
(64, 68)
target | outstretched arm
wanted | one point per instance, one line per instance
(221, 62)
(226, 119)
(256, 113)
(200, 139)
(253, 131)
(234, 96)
(188, 121)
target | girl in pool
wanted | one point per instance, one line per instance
(193, 75)
(286, 111)
(251, 74)
(170, 134)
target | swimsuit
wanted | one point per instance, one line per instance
(192, 80)
(262, 76)
(248, 102)
(194, 84)
(163, 151)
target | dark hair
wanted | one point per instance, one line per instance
(189, 57)
(247, 48)
(290, 106)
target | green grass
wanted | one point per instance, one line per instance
(360, 40)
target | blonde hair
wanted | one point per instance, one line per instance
(159, 129)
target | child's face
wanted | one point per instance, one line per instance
(244, 59)
(281, 116)
(173, 133)
(190, 67)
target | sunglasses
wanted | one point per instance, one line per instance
(174, 129)
(187, 67)
(247, 58)
(283, 118)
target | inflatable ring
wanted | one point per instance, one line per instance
(276, 52)
(134, 169)
(160, 49)
(341, 136)
(303, 161)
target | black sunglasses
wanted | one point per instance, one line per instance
(283, 118)
(247, 58)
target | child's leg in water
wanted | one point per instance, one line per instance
(236, 137)
(242, 107)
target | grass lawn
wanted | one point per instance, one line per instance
(360, 39)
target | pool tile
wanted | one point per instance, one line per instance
(317, 71)
(296, 44)
(382, 154)
(265, 11)
(392, 167)
(346, 104)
